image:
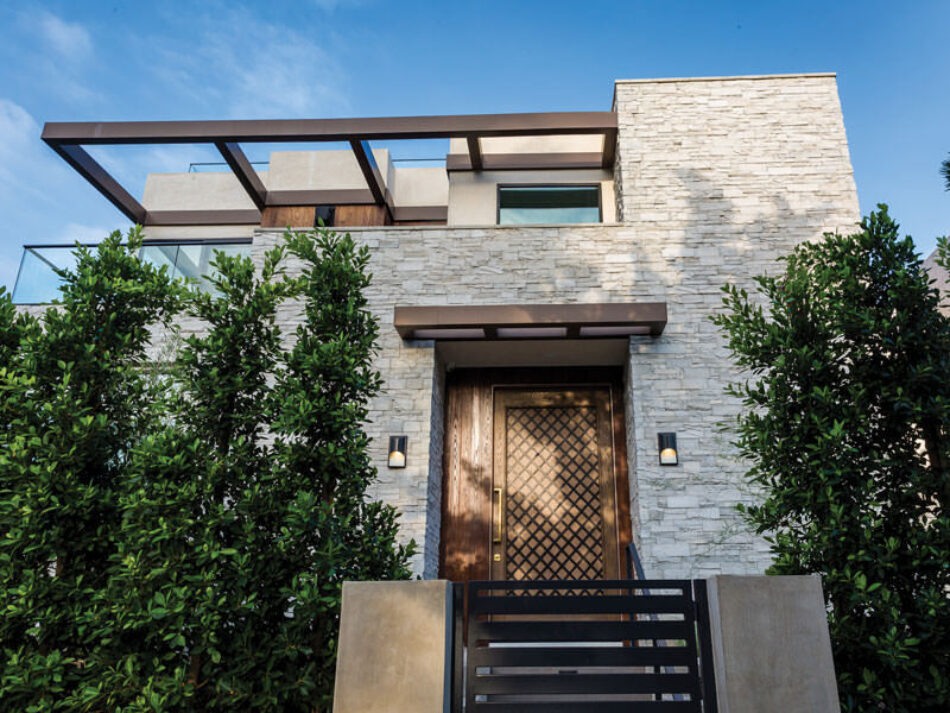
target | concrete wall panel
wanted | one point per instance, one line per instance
(771, 647)
(394, 648)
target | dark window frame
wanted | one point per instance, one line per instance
(587, 184)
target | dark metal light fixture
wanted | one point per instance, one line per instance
(668, 453)
(397, 451)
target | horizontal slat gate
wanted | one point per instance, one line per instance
(570, 647)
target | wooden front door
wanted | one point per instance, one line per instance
(553, 486)
(535, 475)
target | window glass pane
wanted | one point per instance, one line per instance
(233, 250)
(192, 262)
(37, 281)
(159, 256)
(522, 205)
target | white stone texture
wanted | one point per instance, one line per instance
(716, 179)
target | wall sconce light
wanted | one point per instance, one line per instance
(397, 451)
(668, 454)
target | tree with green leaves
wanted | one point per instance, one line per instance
(945, 172)
(74, 403)
(845, 424)
(241, 504)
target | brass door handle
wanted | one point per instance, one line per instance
(500, 495)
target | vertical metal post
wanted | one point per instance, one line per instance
(707, 673)
(458, 646)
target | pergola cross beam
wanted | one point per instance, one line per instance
(475, 152)
(244, 171)
(90, 169)
(371, 173)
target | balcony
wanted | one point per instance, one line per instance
(38, 280)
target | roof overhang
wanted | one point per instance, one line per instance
(68, 139)
(551, 321)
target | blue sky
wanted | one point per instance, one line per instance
(72, 61)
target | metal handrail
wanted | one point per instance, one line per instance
(635, 566)
(41, 283)
(194, 164)
(146, 242)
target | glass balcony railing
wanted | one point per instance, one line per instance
(38, 282)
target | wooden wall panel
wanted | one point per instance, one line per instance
(466, 496)
(352, 215)
(622, 475)
(296, 216)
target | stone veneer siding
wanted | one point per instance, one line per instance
(716, 178)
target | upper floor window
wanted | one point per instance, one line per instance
(526, 205)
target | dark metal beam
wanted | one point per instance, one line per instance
(367, 162)
(244, 171)
(304, 130)
(87, 167)
(341, 196)
(651, 316)
(475, 152)
(219, 216)
(610, 149)
(521, 161)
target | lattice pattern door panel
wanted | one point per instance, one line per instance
(554, 519)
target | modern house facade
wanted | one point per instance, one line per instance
(544, 300)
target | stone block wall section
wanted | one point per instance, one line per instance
(716, 179)
(461, 266)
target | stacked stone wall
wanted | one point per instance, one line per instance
(718, 178)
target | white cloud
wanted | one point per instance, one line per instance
(54, 57)
(243, 67)
(19, 147)
(80, 233)
(17, 129)
(68, 39)
(331, 5)
(39, 193)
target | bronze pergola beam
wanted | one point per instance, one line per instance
(605, 319)
(475, 152)
(306, 130)
(371, 174)
(87, 167)
(244, 171)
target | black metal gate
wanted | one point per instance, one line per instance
(569, 646)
